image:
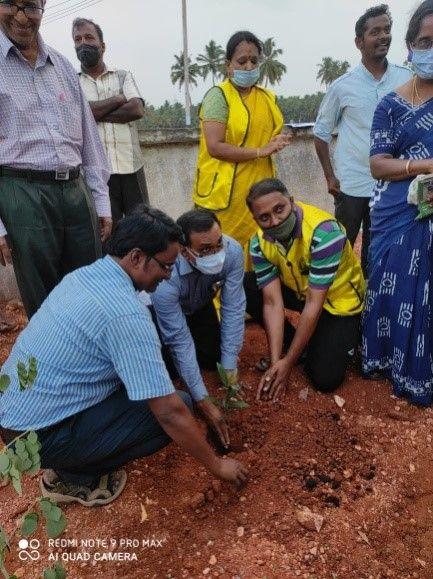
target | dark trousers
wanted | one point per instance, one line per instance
(352, 212)
(327, 353)
(206, 334)
(126, 192)
(102, 438)
(52, 229)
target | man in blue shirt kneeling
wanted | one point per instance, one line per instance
(102, 396)
(184, 305)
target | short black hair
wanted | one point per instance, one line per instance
(82, 21)
(373, 12)
(145, 228)
(241, 36)
(265, 187)
(424, 9)
(196, 221)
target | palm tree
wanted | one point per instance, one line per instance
(330, 69)
(212, 61)
(272, 69)
(177, 74)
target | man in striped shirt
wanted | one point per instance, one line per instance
(302, 261)
(102, 396)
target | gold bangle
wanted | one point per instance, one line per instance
(408, 167)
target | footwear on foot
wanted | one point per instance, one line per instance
(107, 490)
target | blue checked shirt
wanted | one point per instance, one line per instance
(90, 334)
(187, 291)
(348, 108)
(46, 123)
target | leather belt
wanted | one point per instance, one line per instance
(32, 175)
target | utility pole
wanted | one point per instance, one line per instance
(186, 65)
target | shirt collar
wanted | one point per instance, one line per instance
(106, 70)
(364, 70)
(116, 270)
(6, 46)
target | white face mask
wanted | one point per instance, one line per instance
(211, 264)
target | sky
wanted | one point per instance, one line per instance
(143, 35)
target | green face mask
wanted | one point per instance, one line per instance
(284, 230)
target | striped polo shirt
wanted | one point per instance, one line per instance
(326, 250)
(91, 335)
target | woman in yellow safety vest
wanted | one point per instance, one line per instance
(240, 129)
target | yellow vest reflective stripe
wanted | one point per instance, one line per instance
(346, 295)
(214, 179)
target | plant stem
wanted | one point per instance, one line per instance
(17, 438)
(4, 571)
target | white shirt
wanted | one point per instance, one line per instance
(120, 140)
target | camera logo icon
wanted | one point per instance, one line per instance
(29, 550)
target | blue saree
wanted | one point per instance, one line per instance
(397, 336)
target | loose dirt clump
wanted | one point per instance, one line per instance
(364, 471)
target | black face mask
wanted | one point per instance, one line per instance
(88, 55)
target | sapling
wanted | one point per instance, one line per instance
(232, 398)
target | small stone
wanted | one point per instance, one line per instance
(348, 473)
(240, 531)
(339, 401)
(212, 560)
(412, 467)
(210, 496)
(206, 571)
(313, 551)
(243, 499)
(197, 501)
(309, 520)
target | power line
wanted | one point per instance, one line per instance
(50, 7)
(70, 10)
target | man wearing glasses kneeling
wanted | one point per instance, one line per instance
(208, 261)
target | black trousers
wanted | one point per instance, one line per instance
(352, 212)
(206, 333)
(329, 350)
(126, 192)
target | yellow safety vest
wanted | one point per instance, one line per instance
(215, 179)
(345, 297)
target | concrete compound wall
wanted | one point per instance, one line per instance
(170, 157)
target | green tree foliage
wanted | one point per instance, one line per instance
(177, 74)
(167, 116)
(212, 62)
(330, 69)
(300, 109)
(272, 69)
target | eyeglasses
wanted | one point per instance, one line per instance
(168, 268)
(207, 250)
(31, 11)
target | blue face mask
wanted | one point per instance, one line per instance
(211, 264)
(246, 78)
(422, 62)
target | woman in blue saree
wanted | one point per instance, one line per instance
(397, 324)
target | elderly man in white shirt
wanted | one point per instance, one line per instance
(116, 104)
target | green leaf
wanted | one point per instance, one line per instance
(237, 404)
(16, 480)
(19, 463)
(22, 375)
(55, 528)
(20, 446)
(4, 540)
(5, 463)
(34, 468)
(56, 572)
(223, 375)
(29, 524)
(46, 505)
(32, 373)
(32, 437)
(56, 514)
(4, 383)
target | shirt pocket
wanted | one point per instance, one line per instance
(68, 119)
